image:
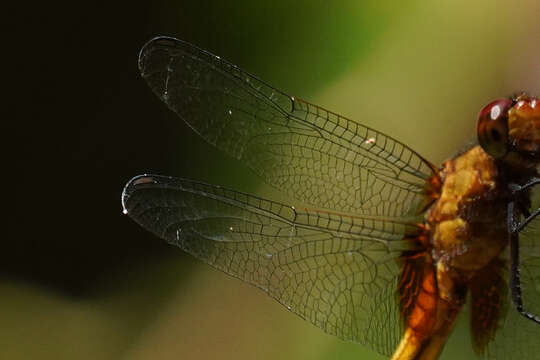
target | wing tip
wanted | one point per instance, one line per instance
(132, 185)
(153, 44)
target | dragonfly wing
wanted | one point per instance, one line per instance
(518, 337)
(339, 272)
(312, 154)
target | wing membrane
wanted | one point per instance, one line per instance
(336, 271)
(517, 337)
(529, 267)
(312, 154)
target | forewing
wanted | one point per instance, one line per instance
(312, 154)
(529, 268)
(338, 272)
(518, 337)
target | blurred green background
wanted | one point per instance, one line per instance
(78, 280)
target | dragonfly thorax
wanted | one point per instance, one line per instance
(468, 221)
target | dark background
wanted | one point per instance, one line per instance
(80, 280)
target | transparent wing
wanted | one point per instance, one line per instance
(529, 268)
(518, 337)
(338, 272)
(312, 154)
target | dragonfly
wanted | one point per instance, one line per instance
(378, 245)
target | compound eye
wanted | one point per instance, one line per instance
(492, 127)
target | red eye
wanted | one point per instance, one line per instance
(492, 127)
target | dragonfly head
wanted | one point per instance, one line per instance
(509, 129)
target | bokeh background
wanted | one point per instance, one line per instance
(78, 280)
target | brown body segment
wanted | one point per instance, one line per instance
(466, 228)
(524, 124)
(468, 222)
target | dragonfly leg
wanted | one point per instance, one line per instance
(515, 283)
